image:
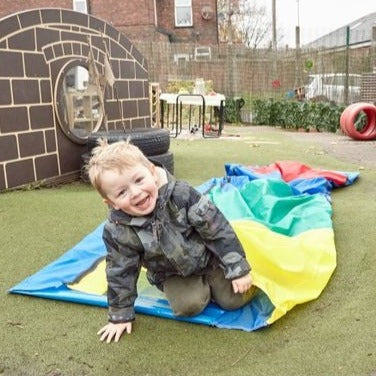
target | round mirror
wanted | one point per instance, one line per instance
(78, 102)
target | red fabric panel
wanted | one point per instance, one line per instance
(291, 170)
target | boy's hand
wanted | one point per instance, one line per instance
(242, 284)
(115, 331)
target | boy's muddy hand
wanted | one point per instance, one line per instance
(242, 284)
(114, 331)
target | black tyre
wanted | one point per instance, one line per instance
(150, 141)
(165, 159)
(84, 160)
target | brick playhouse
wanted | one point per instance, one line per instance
(45, 115)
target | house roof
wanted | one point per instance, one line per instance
(360, 33)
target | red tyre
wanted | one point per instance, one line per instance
(349, 117)
(344, 116)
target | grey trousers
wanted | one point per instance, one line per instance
(188, 296)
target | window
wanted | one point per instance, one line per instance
(183, 13)
(80, 6)
(202, 53)
(181, 58)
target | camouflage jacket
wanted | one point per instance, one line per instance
(182, 236)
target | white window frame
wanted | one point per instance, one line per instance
(181, 58)
(202, 53)
(183, 4)
(80, 6)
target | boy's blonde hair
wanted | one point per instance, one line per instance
(117, 156)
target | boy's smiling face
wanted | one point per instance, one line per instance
(133, 190)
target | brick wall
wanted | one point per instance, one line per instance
(124, 13)
(36, 49)
(8, 7)
(141, 33)
(136, 19)
(203, 31)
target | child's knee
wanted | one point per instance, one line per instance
(187, 296)
(191, 306)
(234, 301)
(231, 302)
(223, 293)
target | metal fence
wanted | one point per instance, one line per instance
(261, 73)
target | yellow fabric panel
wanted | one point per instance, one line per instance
(290, 270)
(93, 282)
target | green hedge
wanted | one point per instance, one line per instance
(232, 109)
(293, 114)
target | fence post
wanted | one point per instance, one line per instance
(373, 49)
(298, 62)
(346, 92)
(230, 69)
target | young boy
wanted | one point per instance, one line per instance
(187, 246)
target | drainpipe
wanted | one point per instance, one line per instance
(155, 14)
(274, 39)
(216, 20)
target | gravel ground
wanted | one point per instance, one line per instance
(343, 147)
(362, 153)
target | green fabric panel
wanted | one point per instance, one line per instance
(231, 203)
(272, 203)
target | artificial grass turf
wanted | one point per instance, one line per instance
(333, 335)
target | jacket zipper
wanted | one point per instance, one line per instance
(154, 229)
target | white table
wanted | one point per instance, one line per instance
(202, 101)
(193, 99)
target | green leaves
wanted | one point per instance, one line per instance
(293, 114)
(232, 109)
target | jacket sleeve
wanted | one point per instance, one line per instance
(123, 264)
(218, 235)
